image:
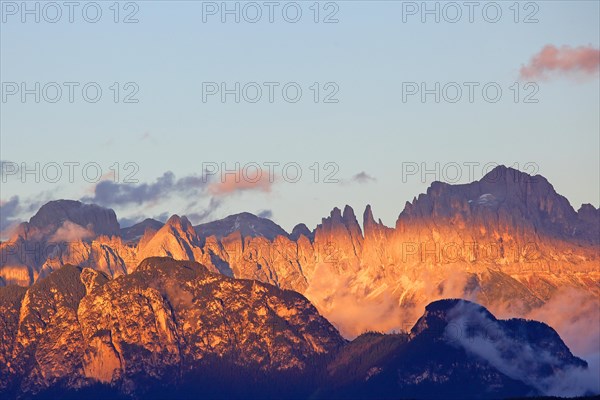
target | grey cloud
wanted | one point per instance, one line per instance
(126, 222)
(162, 217)
(363, 177)
(129, 221)
(109, 193)
(9, 210)
(205, 214)
(265, 214)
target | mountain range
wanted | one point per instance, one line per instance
(173, 329)
(509, 242)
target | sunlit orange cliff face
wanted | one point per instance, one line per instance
(508, 242)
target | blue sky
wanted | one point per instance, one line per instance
(367, 55)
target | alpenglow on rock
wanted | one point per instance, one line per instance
(508, 241)
(77, 327)
(172, 328)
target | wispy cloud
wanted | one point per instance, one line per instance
(116, 195)
(109, 193)
(363, 177)
(197, 217)
(207, 192)
(70, 232)
(13, 210)
(148, 137)
(517, 359)
(265, 214)
(9, 210)
(553, 61)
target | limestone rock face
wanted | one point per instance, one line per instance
(301, 230)
(52, 216)
(508, 241)
(48, 342)
(61, 232)
(176, 239)
(77, 327)
(10, 305)
(248, 225)
(171, 328)
(133, 234)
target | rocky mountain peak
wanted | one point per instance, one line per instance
(177, 221)
(301, 230)
(507, 196)
(505, 174)
(70, 215)
(351, 223)
(368, 216)
(249, 225)
(338, 220)
(135, 232)
(335, 215)
(369, 224)
(180, 226)
(439, 314)
(588, 212)
(348, 215)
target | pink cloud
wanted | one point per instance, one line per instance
(234, 183)
(582, 61)
(71, 232)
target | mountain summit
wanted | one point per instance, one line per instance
(505, 196)
(247, 224)
(67, 218)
